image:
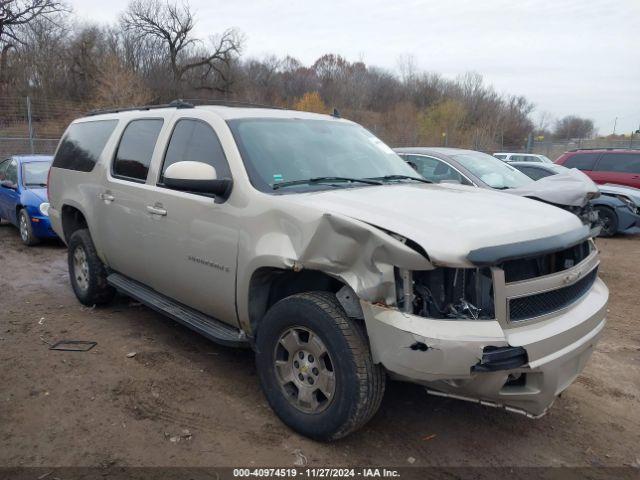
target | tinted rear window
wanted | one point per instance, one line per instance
(136, 149)
(619, 162)
(581, 161)
(82, 145)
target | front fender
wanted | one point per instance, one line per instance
(358, 254)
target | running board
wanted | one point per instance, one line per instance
(211, 328)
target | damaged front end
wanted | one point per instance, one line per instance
(513, 332)
(456, 293)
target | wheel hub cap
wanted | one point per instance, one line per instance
(24, 231)
(305, 370)
(81, 268)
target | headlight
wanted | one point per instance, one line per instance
(44, 209)
(450, 293)
(628, 202)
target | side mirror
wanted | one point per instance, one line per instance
(196, 177)
(7, 184)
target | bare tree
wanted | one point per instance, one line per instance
(172, 24)
(14, 16)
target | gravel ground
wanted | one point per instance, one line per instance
(181, 400)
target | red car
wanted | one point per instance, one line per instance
(606, 165)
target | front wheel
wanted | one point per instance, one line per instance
(86, 271)
(608, 222)
(315, 367)
(26, 229)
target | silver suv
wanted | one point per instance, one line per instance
(306, 238)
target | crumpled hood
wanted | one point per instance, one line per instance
(35, 195)
(567, 188)
(613, 189)
(40, 193)
(448, 221)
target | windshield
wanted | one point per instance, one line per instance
(493, 172)
(34, 174)
(279, 151)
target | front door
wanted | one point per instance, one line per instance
(193, 241)
(9, 196)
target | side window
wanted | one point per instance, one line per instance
(535, 173)
(195, 141)
(135, 150)
(435, 170)
(3, 169)
(82, 144)
(500, 156)
(619, 162)
(12, 172)
(581, 161)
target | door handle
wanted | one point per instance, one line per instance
(156, 210)
(107, 197)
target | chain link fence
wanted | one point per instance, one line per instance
(33, 125)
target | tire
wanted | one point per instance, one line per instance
(86, 271)
(608, 222)
(26, 229)
(358, 383)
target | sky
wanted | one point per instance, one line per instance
(578, 57)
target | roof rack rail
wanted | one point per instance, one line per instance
(173, 104)
(601, 148)
(230, 103)
(189, 103)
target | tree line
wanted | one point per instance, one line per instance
(152, 55)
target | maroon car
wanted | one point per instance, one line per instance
(607, 165)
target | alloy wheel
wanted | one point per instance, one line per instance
(304, 369)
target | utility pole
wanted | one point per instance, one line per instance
(30, 124)
(615, 123)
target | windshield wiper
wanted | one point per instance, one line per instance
(400, 177)
(312, 181)
(35, 184)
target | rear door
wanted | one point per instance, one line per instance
(194, 238)
(124, 221)
(618, 167)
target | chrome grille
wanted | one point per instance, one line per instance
(531, 306)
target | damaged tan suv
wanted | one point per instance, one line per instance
(306, 238)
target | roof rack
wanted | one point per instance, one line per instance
(601, 148)
(180, 104)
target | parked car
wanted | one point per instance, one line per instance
(618, 207)
(572, 191)
(308, 239)
(23, 196)
(617, 166)
(522, 157)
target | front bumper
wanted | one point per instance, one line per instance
(41, 227)
(628, 221)
(443, 355)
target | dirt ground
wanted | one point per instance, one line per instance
(183, 401)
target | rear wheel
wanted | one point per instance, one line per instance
(26, 230)
(86, 271)
(608, 221)
(315, 367)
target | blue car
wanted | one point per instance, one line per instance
(618, 206)
(23, 196)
